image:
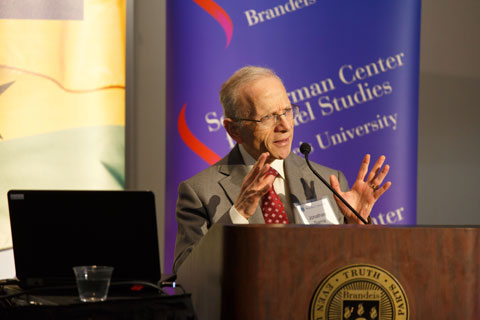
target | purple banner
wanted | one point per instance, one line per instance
(351, 66)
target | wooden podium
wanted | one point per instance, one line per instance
(273, 272)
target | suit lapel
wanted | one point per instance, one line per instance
(235, 171)
(305, 186)
(300, 181)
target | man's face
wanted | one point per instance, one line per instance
(260, 98)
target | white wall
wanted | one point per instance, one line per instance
(7, 264)
(146, 102)
(449, 114)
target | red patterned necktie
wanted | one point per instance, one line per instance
(272, 208)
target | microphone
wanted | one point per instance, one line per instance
(305, 149)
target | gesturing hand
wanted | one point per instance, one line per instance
(254, 186)
(365, 191)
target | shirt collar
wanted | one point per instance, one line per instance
(277, 164)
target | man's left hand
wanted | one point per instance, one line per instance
(365, 191)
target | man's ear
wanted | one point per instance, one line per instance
(233, 130)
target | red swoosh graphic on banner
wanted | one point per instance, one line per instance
(192, 142)
(218, 14)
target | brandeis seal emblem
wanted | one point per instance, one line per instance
(359, 292)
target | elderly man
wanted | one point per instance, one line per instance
(245, 186)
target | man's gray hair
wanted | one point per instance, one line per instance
(230, 92)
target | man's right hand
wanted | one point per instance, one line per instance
(254, 186)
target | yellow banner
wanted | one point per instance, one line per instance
(62, 98)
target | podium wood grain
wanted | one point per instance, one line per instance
(272, 272)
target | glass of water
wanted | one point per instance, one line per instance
(93, 282)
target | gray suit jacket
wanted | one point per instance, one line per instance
(207, 197)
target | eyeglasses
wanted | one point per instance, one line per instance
(272, 119)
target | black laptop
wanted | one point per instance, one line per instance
(52, 231)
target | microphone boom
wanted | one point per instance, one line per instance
(305, 149)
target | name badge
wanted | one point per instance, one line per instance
(316, 212)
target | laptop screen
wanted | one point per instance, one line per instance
(52, 231)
